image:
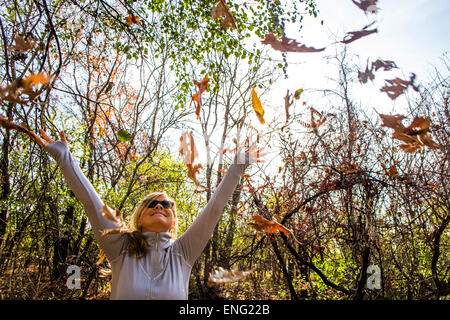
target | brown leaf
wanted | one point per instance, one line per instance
(415, 136)
(264, 225)
(355, 35)
(419, 125)
(197, 97)
(398, 86)
(22, 45)
(385, 64)
(27, 86)
(287, 45)
(188, 154)
(366, 75)
(222, 10)
(131, 20)
(288, 101)
(394, 122)
(367, 5)
(114, 216)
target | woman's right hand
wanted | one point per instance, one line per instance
(45, 140)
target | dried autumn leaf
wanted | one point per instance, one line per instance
(398, 86)
(368, 6)
(287, 45)
(32, 86)
(287, 103)
(262, 224)
(22, 45)
(197, 97)
(114, 216)
(222, 10)
(220, 275)
(355, 35)
(314, 123)
(415, 136)
(257, 106)
(387, 65)
(392, 172)
(366, 75)
(188, 154)
(131, 20)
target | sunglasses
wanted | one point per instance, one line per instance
(165, 204)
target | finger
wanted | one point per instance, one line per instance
(37, 138)
(45, 136)
(62, 135)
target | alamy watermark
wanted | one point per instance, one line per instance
(73, 281)
(374, 280)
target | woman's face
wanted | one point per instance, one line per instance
(157, 218)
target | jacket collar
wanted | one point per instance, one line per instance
(158, 239)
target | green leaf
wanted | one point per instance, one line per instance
(123, 135)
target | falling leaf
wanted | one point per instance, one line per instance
(114, 216)
(287, 45)
(220, 275)
(398, 86)
(367, 5)
(131, 20)
(257, 106)
(392, 172)
(314, 123)
(297, 93)
(222, 10)
(366, 75)
(188, 154)
(197, 97)
(22, 45)
(387, 65)
(262, 224)
(31, 86)
(287, 103)
(123, 135)
(117, 218)
(355, 35)
(415, 136)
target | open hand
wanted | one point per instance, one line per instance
(253, 154)
(45, 140)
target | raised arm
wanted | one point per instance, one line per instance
(194, 240)
(85, 193)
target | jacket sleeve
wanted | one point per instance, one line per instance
(192, 242)
(86, 194)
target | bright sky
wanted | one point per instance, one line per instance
(413, 33)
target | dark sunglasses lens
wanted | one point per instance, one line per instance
(165, 204)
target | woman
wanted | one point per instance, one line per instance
(148, 264)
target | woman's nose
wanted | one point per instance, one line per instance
(158, 206)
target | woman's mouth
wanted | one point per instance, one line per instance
(159, 212)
